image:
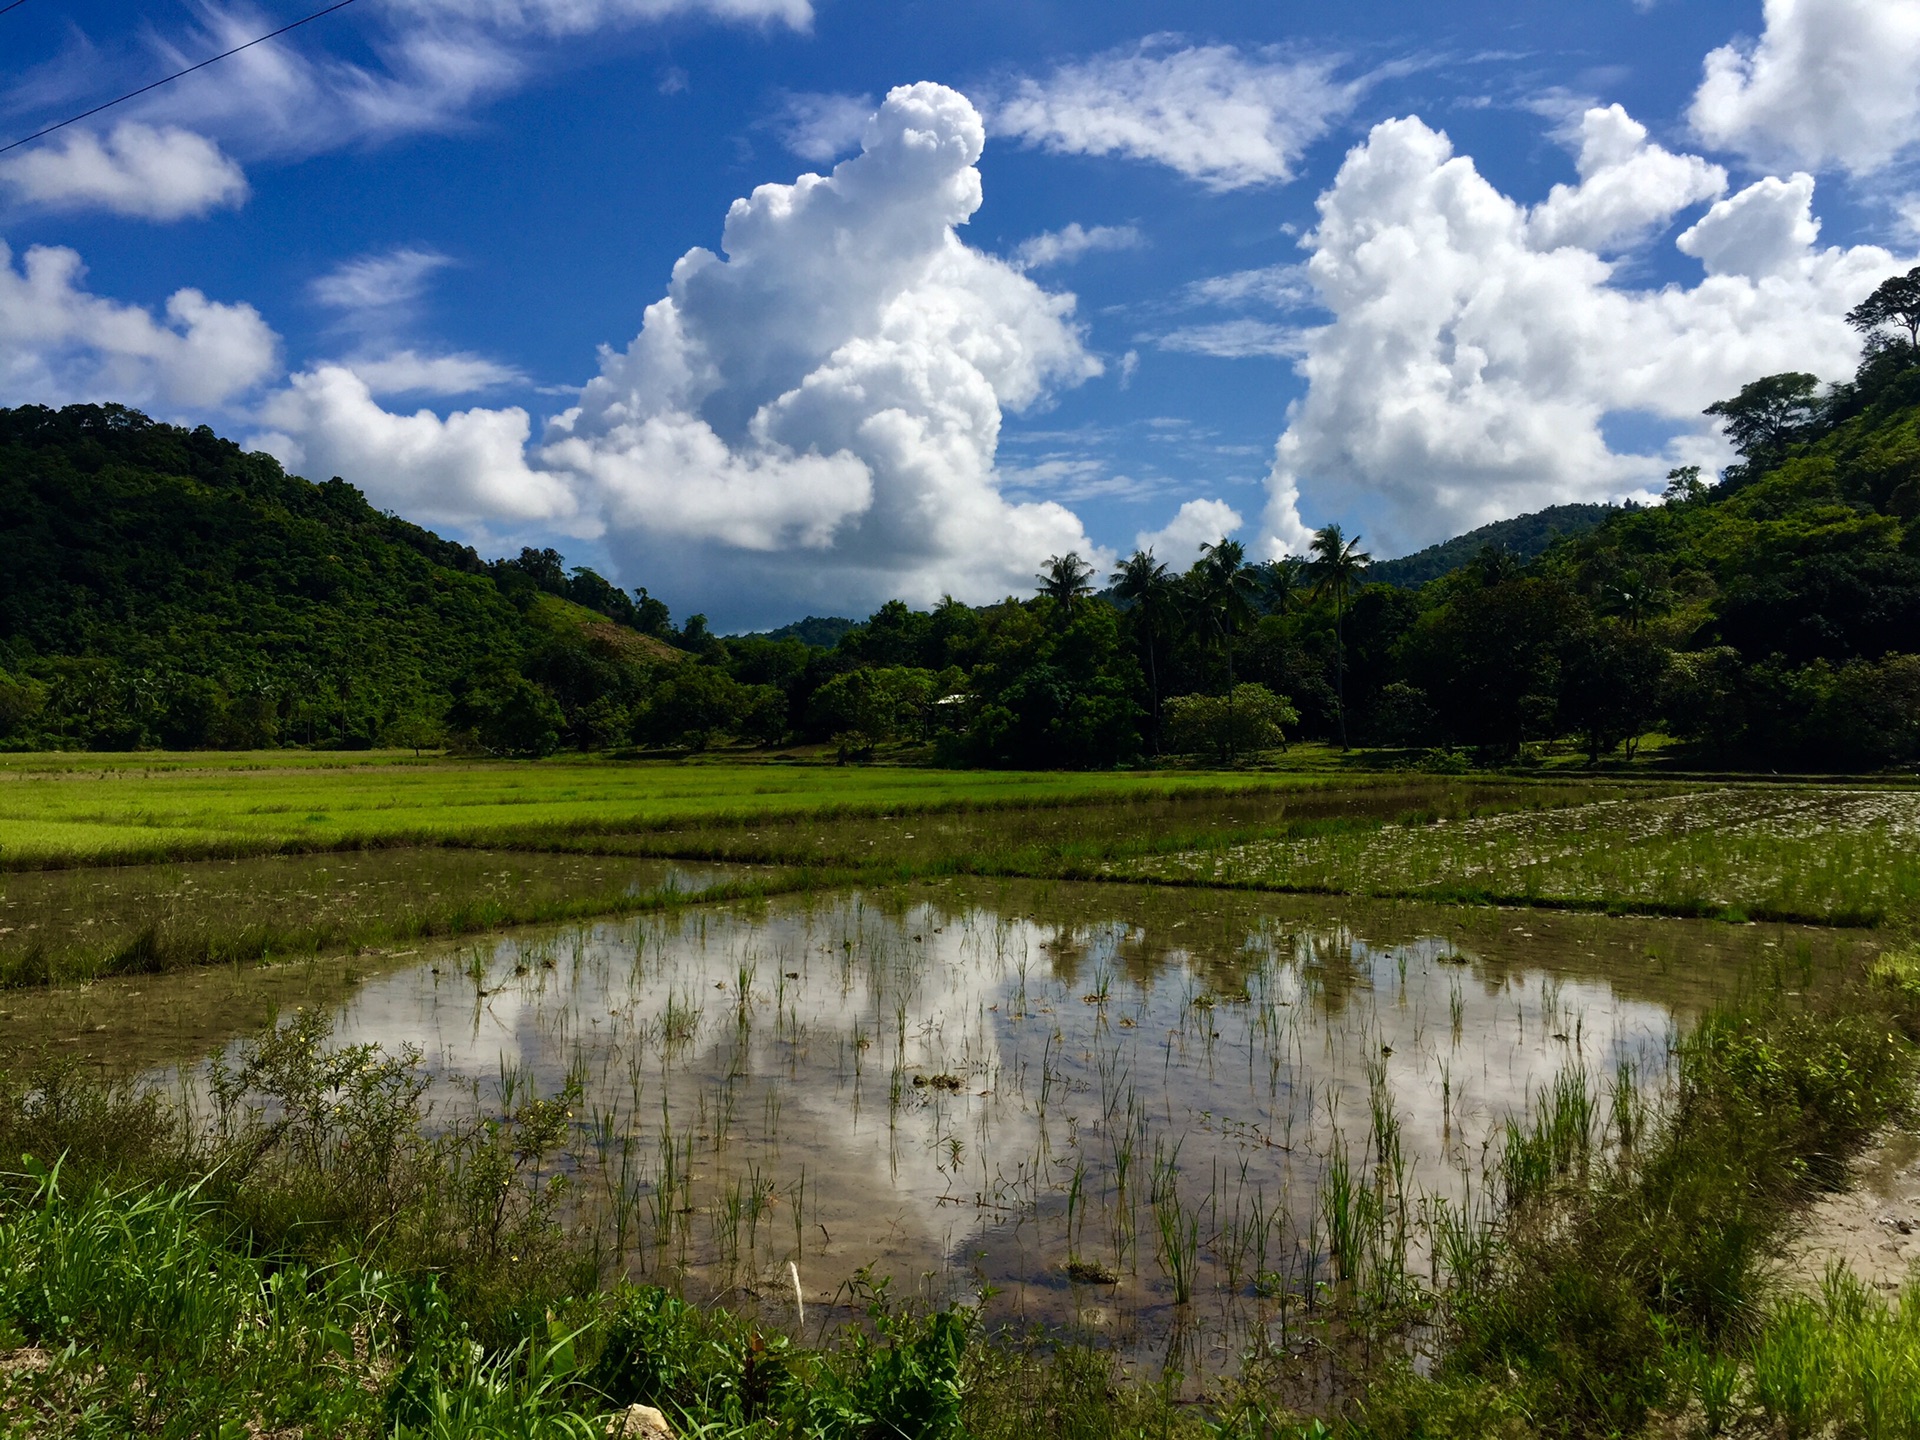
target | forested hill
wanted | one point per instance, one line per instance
(1523, 537)
(163, 586)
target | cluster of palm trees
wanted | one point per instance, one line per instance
(1220, 595)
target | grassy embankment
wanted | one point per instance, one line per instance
(310, 1258)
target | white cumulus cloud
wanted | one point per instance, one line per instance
(61, 343)
(1225, 117)
(1467, 374)
(1764, 230)
(1070, 242)
(1628, 187)
(468, 470)
(1196, 523)
(814, 418)
(138, 170)
(1828, 82)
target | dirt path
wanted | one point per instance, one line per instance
(1873, 1227)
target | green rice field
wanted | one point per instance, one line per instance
(58, 810)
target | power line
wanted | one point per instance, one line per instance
(14, 6)
(169, 79)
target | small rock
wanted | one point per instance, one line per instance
(639, 1422)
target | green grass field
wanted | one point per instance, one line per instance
(86, 810)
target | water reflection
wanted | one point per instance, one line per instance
(1089, 1103)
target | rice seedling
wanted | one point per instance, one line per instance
(1179, 1248)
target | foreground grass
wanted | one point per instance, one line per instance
(171, 807)
(306, 1258)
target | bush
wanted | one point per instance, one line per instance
(1246, 720)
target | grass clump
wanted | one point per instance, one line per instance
(1844, 1361)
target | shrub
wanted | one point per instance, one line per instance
(1248, 719)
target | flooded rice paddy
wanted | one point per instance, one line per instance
(1169, 1118)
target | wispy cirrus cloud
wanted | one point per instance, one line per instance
(406, 67)
(820, 126)
(378, 283)
(1239, 339)
(1070, 242)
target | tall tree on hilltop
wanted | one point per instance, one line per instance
(1335, 569)
(1896, 302)
(1147, 585)
(1768, 414)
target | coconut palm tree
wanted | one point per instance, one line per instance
(1067, 580)
(1281, 581)
(1148, 586)
(1223, 588)
(1335, 570)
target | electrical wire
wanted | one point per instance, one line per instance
(168, 79)
(14, 6)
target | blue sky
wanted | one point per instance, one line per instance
(1109, 275)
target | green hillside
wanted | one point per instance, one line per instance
(1789, 594)
(163, 586)
(820, 632)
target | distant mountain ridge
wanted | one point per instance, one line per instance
(1525, 537)
(822, 632)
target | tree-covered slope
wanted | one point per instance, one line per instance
(1790, 593)
(164, 586)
